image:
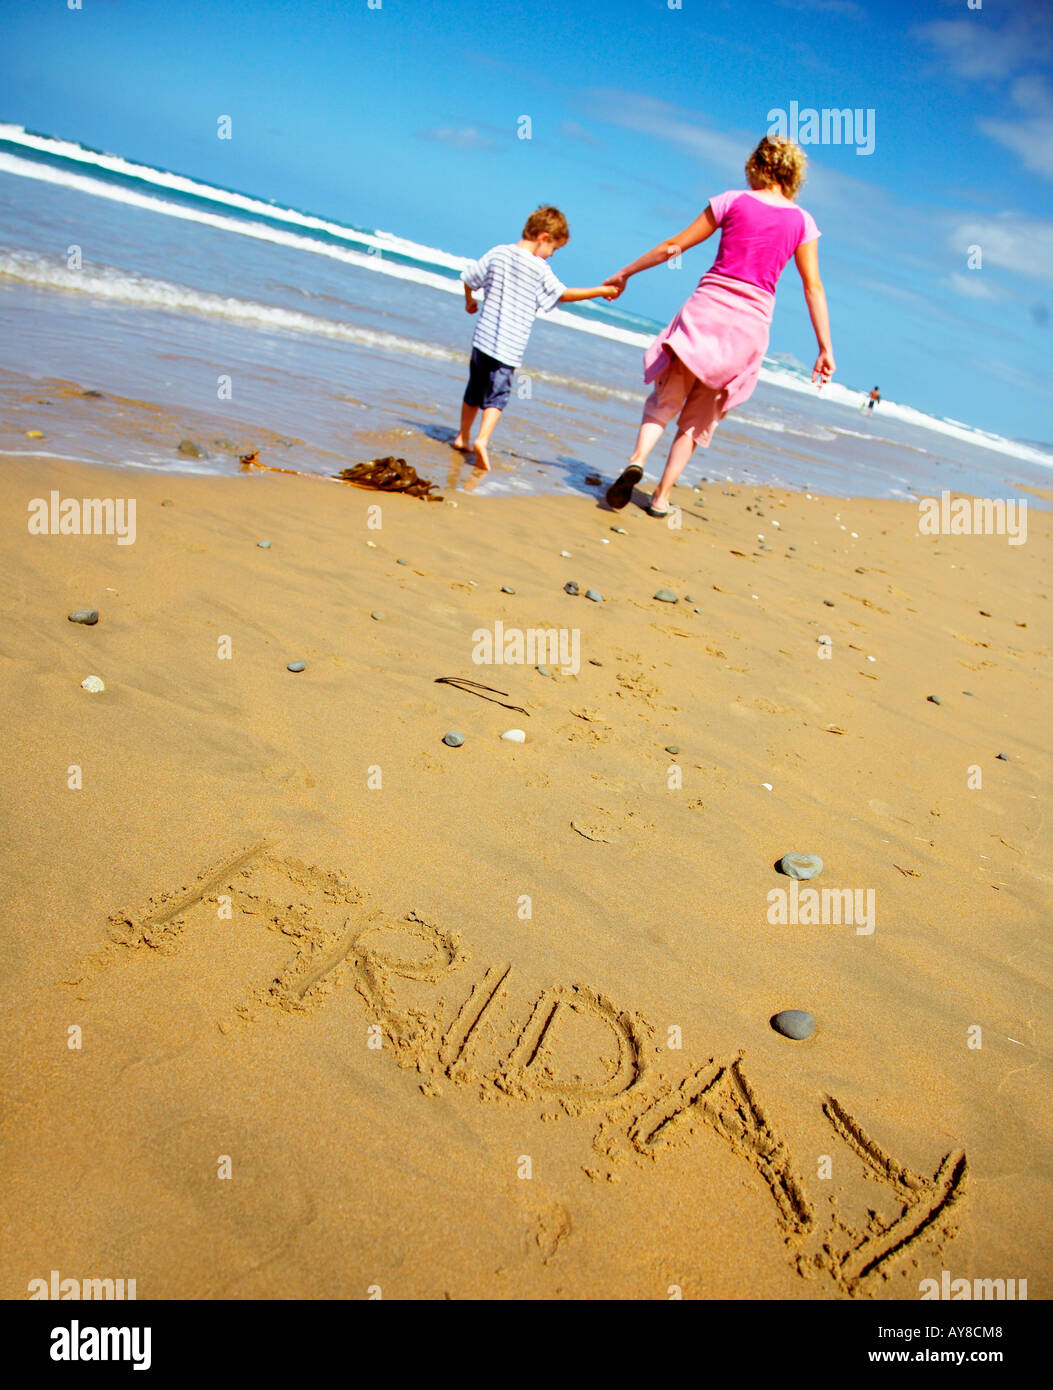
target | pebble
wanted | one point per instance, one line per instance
(565, 554)
(594, 594)
(619, 530)
(506, 590)
(93, 395)
(967, 692)
(1001, 757)
(543, 670)
(673, 748)
(190, 449)
(88, 616)
(167, 502)
(571, 587)
(594, 662)
(34, 434)
(792, 547)
(401, 562)
(794, 1023)
(825, 641)
(453, 739)
(263, 545)
(377, 616)
(666, 596)
(514, 736)
(860, 571)
(801, 865)
(297, 666)
(92, 683)
(829, 602)
(983, 614)
(933, 699)
(688, 599)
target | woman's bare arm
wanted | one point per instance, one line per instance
(806, 258)
(702, 227)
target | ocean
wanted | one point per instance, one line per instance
(195, 312)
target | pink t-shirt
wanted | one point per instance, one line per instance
(757, 238)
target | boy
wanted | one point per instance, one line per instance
(518, 285)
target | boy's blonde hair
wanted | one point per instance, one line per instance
(546, 219)
(779, 161)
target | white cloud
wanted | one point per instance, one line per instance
(1019, 244)
(1014, 376)
(686, 130)
(970, 285)
(573, 130)
(1032, 138)
(973, 47)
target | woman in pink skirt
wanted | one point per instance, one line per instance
(709, 357)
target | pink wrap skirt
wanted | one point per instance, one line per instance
(708, 359)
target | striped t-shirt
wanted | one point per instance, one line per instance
(518, 285)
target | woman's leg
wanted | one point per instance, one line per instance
(703, 410)
(683, 448)
(649, 434)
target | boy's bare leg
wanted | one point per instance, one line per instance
(468, 414)
(491, 415)
(683, 448)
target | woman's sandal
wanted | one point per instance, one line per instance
(654, 511)
(620, 493)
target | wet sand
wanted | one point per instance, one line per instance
(493, 1021)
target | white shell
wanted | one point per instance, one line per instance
(93, 683)
(514, 735)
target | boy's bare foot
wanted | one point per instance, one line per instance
(461, 443)
(482, 458)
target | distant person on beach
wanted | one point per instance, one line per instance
(708, 359)
(518, 285)
(872, 400)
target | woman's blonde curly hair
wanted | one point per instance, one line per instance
(779, 161)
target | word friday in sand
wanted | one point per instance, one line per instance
(540, 1045)
(89, 516)
(973, 516)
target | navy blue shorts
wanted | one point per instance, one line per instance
(489, 382)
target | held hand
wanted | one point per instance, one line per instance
(617, 283)
(608, 292)
(471, 306)
(824, 367)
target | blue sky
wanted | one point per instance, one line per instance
(407, 116)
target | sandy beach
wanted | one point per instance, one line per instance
(311, 1004)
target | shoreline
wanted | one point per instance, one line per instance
(553, 440)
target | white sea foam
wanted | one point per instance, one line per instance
(113, 164)
(141, 291)
(22, 168)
